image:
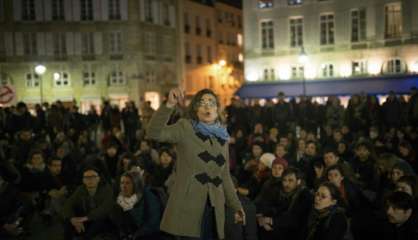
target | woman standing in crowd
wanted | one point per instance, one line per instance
(202, 182)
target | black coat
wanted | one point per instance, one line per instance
(407, 231)
(234, 231)
(332, 226)
(290, 214)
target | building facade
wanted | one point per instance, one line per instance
(92, 49)
(212, 47)
(289, 41)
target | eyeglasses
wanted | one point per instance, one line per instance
(207, 104)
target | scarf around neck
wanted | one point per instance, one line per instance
(214, 130)
(127, 203)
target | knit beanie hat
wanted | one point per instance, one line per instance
(267, 159)
(281, 161)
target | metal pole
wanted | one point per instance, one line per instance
(41, 90)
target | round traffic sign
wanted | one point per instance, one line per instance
(7, 94)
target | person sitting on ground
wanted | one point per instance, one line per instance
(137, 211)
(327, 220)
(86, 211)
(401, 218)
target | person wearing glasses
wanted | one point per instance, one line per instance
(86, 211)
(202, 184)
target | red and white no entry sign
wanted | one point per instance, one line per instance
(7, 94)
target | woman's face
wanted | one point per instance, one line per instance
(126, 186)
(165, 159)
(323, 198)
(207, 111)
(257, 151)
(277, 170)
(37, 160)
(125, 163)
(280, 151)
(335, 177)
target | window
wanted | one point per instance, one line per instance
(294, 2)
(87, 43)
(59, 45)
(150, 43)
(327, 70)
(28, 11)
(267, 35)
(394, 66)
(115, 43)
(186, 23)
(359, 67)
(220, 16)
(29, 44)
(188, 57)
(209, 53)
(198, 27)
(221, 38)
(208, 28)
(117, 77)
(358, 25)
(199, 58)
(114, 10)
(58, 10)
(393, 20)
(167, 47)
(61, 79)
(327, 29)
(165, 14)
(269, 74)
(298, 71)
(89, 76)
(296, 32)
(148, 10)
(86, 7)
(32, 80)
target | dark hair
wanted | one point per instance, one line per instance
(138, 184)
(412, 182)
(194, 104)
(336, 167)
(293, 170)
(333, 190)
(53, 158)
(91, 168)
(329, 149)
(399, 200)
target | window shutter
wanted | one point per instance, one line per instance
(49, 44)
(97, 10)
(155, 12)
(40, 41)
(172, 17)
(48, 10)
(77, 43)
(124, 9)
(105, 10)
(19, 43)
(68, 13)
(8, 39)
(98, 43)
(76, 10)
(17, 10)
(39, 11)
(142, 10)
(69, 41)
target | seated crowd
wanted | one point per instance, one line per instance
(302, 170)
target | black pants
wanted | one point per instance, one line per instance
(208, 229)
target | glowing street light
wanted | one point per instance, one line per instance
(222, 63)
(40, 70)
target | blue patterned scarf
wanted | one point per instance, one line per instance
(215, 130)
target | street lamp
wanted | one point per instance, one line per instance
(40, 70)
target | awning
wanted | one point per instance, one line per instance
(370, 85)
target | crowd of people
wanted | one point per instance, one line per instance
(301, 170)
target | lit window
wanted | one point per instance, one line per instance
(117, 77)
(61, 79)
(394, 66)
(269, 74)
(239, 39)
(265, 4)
(297, 71)
(294, 2)
(359, 67)
(32, 80)
(89, 76)
(327, 70)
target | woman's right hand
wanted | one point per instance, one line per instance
(176, 96)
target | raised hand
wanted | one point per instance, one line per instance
(176, 96)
